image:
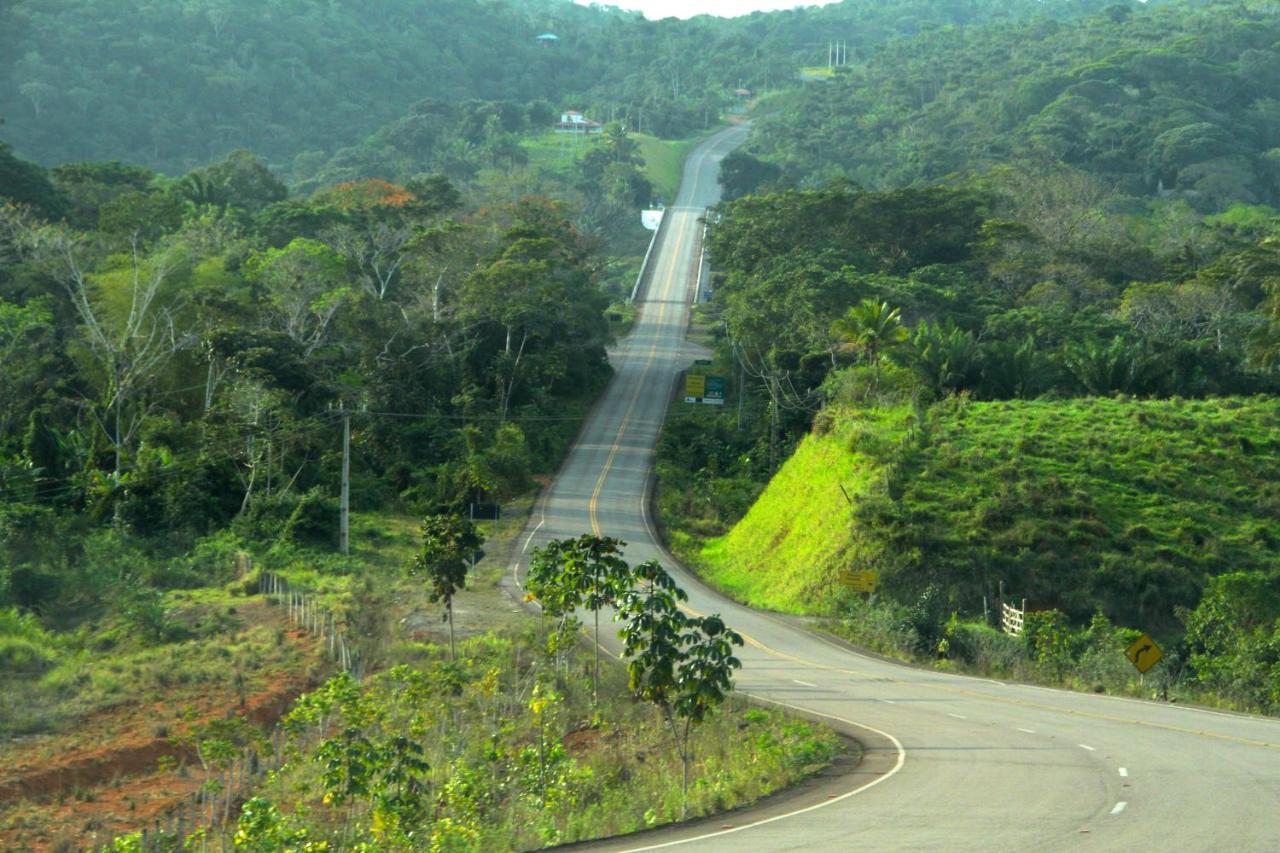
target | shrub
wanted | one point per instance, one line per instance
(310, 518)
(212, 562)
(985, 648)
(25, 647)
(925, 618)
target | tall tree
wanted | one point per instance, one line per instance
(588, 571)
(449, 547)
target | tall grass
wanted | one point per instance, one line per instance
(787, 552)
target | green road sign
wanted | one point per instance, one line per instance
(715, 391)
(699, 388)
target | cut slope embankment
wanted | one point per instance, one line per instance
(1120, 504)
(786, 552)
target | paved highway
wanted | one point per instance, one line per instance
(952, 763)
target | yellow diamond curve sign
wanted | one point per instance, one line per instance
(1144, 653)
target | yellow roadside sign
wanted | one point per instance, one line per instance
(1144, 653)
(863, 581)
(695, 387)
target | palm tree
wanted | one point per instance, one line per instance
(870, 328)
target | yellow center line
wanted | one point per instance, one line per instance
(593, 505)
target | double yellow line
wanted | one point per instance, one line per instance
(593, 506)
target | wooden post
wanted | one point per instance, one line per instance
(344, 500)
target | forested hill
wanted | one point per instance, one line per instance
(1177, 97)
(174, 85)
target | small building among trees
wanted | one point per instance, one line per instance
(572, 121)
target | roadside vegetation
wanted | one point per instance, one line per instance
(522, 737)
(503, 749)
(940, 385)
(1157, 515)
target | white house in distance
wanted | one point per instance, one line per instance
(572, 121)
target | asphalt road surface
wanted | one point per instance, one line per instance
(952, 763)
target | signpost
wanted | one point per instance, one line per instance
(1144, 653)
(863, 581)
(699, 388)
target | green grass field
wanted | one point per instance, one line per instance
(785, 553)
(1125, 505)
(663, 158)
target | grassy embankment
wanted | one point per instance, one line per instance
(1126, 507)
(518, 757)
(1124, 504)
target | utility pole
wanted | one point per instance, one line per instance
(742, 385)
(344, 502)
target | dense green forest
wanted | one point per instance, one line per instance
(997, 297)
(173, 86)
(1157, 99)
(180, 362)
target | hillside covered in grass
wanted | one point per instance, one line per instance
(1127, 505)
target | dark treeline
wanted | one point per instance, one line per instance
(1157, 99)
(171, 86)
(1016, 285)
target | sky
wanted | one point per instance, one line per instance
(655, 9)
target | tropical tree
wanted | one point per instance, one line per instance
(871, 328)
(1107, 367)
(130, 347)
(304, 285)
(585, 572)
(449, 547)
(681, 664)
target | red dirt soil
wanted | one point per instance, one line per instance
(88, 795)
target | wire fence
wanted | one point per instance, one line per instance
(306, 612)
(206, 813)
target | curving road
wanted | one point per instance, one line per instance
(952, 763)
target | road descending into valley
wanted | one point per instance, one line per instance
(951, 762)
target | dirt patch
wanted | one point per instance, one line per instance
(582, 740)
(90, 768)
(120, 769)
